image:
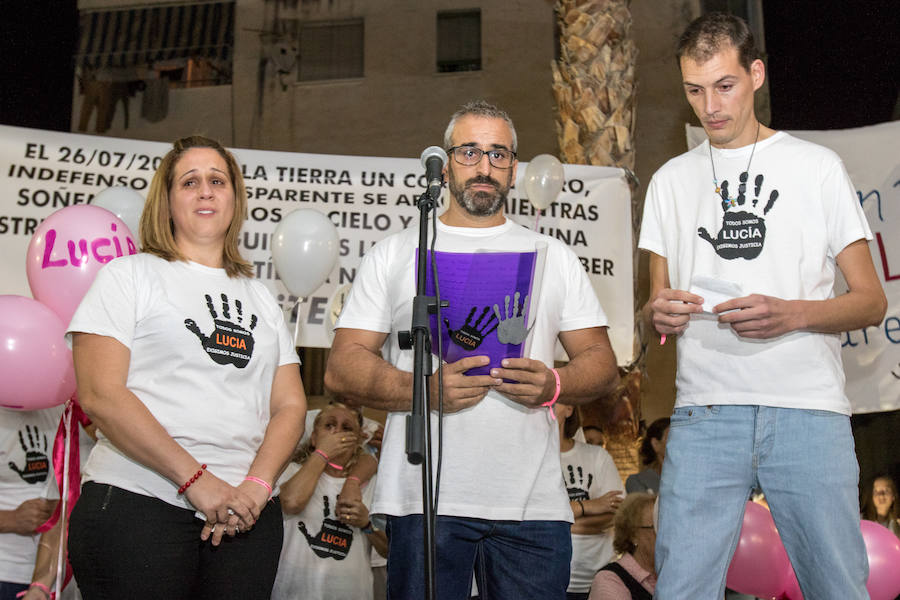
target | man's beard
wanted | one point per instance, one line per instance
(480, 203)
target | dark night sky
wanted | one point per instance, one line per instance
(833, 64)
(37, 41)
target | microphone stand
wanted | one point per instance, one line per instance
(418, 423)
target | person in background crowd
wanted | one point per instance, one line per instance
(27, 492)
(186, 366)
(766, 220)
(43, 577)
(327, 537)
(501, 497)
(593, 435)
(595, 492)
(632, 576)
(880, 503)
(653, 452)
(358, 477)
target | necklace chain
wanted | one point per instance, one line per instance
(743, 177)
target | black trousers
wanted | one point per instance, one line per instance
(125, 545)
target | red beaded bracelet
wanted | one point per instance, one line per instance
(194, 478)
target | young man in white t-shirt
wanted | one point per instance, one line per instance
(757, 220)
(503, 509)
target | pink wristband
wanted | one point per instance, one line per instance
(328, 460)
(38, 585)
(261, 482)
(549, 404)
(355, 478)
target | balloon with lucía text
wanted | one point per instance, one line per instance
(544, 179)
(304, 250)
(123, 202)
(35, 363)
(68, 249)
(760, 563)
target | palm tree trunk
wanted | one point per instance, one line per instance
(593, 83)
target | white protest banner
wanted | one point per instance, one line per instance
(366, 198)
(871, 356)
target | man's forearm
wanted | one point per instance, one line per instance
(7, 521)
(362, 378)
(853, 310)
(591, 374)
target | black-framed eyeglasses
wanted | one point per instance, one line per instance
(499, 158)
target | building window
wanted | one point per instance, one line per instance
(459, 41)
(330, 50)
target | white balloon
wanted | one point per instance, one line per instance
(544, 179)
(304, 250)
(125, 203)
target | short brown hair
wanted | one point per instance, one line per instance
(709, 34)
(157, 229)
(628, 520)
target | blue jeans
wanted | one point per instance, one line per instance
(804, 462)
(522, 560)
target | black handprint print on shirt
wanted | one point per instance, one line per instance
(469, 336)
(512, 328)
(333, 540)
(743, 232)
(577, 488)
(37, 465)
(229, 343)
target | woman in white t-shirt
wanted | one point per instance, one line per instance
(327, 537)
(185, 365)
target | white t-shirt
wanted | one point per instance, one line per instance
(26, 472)
(501, 459)
(322, 558)
(798, 213)
(204, 351)
(588, 472)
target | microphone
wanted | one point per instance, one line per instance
(434, 159)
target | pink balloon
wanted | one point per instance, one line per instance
(35, 363)
(759, 563)
(883, 550)
(792, 587)
(68, 249)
